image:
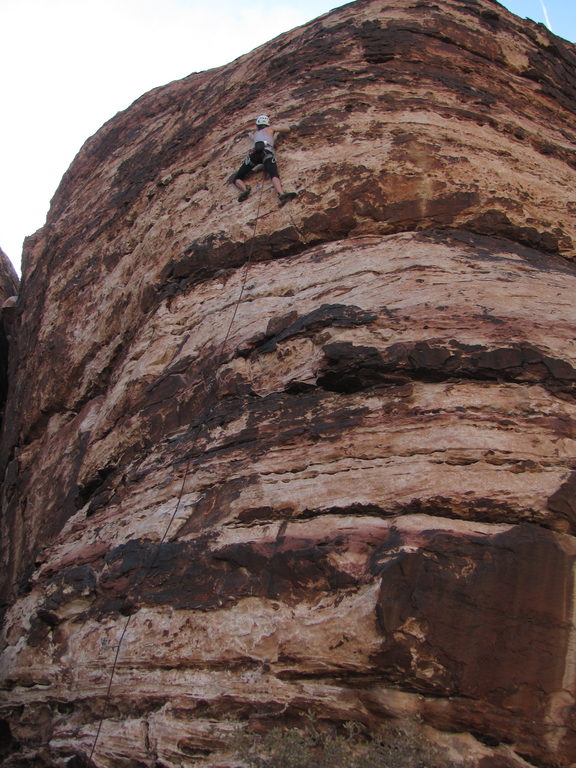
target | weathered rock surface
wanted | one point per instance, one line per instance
(8, 278)
(8, 289)
(319, 457)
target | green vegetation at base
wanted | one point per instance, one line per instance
(313, 747)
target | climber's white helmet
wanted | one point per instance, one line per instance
(262, 120)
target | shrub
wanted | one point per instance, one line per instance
(311, 747)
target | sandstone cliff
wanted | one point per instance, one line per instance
(8, 290)
(8, 278)
(313, 458)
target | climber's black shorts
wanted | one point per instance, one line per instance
(256, 158)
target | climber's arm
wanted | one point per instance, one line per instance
(280, 130)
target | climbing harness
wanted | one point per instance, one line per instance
(154, 559)
(263, 147)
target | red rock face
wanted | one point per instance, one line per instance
(311, 458)
(8, 277)
(8, 290)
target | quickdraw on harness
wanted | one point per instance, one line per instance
(262, 152)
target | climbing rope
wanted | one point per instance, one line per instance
(296, 227)
(245, 276)
(153, 561)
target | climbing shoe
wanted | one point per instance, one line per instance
(243, 195)
(286, 196)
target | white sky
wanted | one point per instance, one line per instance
(69, 65)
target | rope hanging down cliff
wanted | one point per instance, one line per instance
(77, 762)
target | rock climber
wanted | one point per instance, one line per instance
(262, 154)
